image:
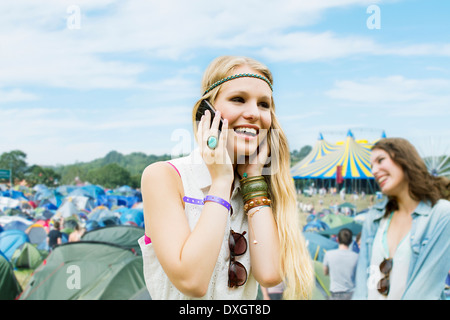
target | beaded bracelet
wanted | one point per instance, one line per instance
(256, 202)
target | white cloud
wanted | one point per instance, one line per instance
(307, 46)
(423, 49)
(50, 135)
(124, 44)
(16, 95)
(400, 95)
(39, 48)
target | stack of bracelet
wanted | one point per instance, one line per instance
(255, 194)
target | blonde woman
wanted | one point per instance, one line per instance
(224, 218)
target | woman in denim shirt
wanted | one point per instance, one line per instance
(405, 242)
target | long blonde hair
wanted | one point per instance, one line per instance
(296, 264)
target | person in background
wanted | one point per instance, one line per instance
(405, 240)
(76, 234)
(340, 264)
(357, 243)
(54, 236)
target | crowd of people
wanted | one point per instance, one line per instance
(55, 236)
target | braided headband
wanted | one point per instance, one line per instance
(241, 75)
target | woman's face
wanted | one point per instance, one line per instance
(245, 103)
(388, 174)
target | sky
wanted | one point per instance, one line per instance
(79, 79)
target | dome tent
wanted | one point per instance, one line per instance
(87, 271)
(122, 235)
(10, 240)
(8, 282)
(27, 256)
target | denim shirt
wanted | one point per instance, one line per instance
(430, 244)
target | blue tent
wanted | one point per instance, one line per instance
(118, 200)
(96, 194)
(315, 226)
(318, 245)
(134, 217)
(102, 217)
(93, 190)
(49, 199)
(10, 240)
(14, 194)
(16, 225)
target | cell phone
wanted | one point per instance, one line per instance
(206, 105)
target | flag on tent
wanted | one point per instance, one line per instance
(339, 178)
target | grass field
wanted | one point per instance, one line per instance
(330, 200)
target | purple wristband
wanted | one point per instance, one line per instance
(192, 200)
(217, 200)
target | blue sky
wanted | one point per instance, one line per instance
(81, 78)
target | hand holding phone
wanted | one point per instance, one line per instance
(206, 105)
(216, 158)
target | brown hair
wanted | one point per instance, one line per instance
(422, 185)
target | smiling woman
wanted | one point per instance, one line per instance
(405, 241)
(224, 218)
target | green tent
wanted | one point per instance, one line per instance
(27, 256)
(322, 288)
(122, 235)
(347, 205)
(336, 220)
(9, 285)
(353, 226)
(87, 271)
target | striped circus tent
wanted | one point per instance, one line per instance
(352, 158)
(320, 149)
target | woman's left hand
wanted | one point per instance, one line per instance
(254, 164)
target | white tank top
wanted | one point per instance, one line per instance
(196, 183)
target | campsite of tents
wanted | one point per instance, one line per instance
(106, 263)
(87, 270)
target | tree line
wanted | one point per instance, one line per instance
(114, 169)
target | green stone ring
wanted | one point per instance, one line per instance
(212, 142)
